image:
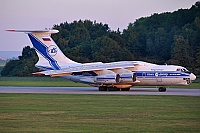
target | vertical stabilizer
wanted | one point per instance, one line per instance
(50, 56)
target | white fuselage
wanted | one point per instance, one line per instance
(147, 75)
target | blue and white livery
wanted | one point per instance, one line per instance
(107, 76)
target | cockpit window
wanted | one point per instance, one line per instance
(183, 70)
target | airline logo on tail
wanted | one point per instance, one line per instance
(52, 50)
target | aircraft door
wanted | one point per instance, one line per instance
(158, 77)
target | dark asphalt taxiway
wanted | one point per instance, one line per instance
(94, 90)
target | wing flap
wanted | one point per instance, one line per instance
(60, 74)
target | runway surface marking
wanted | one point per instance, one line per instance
(94, 90)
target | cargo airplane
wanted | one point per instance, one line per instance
(114, 76)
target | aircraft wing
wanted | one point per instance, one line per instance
(92, 67)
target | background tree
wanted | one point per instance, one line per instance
(24, 66)
(181, 52)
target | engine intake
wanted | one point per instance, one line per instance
(128, 77)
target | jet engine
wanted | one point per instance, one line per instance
(108, 79)
(128, 77)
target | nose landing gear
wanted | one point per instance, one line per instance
(161, 89)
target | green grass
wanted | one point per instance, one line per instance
(38, 81)
(98, 113)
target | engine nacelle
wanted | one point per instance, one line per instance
(108, 79)
(128, 77)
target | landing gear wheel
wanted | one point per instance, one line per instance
(102, 88)
(117, 89)
(161, 89)
(125, 89)
(113, 89)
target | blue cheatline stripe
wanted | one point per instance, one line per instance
(104, 78)
(163, 74)
(126, 77)
(42, 49)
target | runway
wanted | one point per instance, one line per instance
(94, 90)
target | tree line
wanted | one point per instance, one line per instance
(172, 38)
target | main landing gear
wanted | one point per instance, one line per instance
(161, 89)
(104, 88)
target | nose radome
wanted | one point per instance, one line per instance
(192, 76)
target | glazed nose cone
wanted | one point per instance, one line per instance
(192, 76)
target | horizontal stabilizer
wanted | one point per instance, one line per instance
(35, 31)
(38, 73)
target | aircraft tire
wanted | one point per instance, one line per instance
(117, 89)
(125, 89)
(102, 88)
(113, 89)
(161, 89)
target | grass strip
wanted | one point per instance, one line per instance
(39, 81)
(98, 113)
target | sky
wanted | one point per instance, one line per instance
(40, 14)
